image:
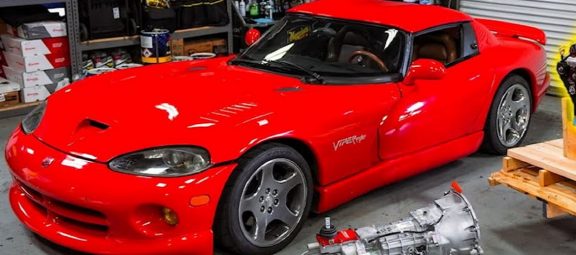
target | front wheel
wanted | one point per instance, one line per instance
(265, 201)
(509, 116)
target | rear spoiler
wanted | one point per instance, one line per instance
(508, 29)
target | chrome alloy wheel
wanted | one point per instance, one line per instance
(513, 115)
(273, 202)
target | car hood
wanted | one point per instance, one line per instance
(185, 103)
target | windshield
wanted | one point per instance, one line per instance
(322, 47)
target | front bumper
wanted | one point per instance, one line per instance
(85, 206)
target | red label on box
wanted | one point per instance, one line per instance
(57, 44)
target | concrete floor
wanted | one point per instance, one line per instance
(511, 223)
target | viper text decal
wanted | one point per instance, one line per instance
(356, 139)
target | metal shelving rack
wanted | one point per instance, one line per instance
(107, 43)
(116, 42)
(72, 21)
(77, 47)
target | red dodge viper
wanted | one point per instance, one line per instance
(337, 99)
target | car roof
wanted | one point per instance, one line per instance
(406, 16)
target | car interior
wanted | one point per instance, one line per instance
(442, 46)
(358, 46)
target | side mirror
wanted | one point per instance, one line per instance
(425, 69)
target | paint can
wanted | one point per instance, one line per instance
(155, 46)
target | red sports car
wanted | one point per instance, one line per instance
(337, 99)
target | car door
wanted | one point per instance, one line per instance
(434, 112)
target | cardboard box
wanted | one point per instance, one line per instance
(37, 63)
(29, 48)
(9, 93)
(37, 78)
(9, 99)
(35, 94)
(40, 93)
(7, 86)
(202, 46)
(177, 47)
(39, 30)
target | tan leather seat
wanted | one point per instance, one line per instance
(434, 51)
(441, 48)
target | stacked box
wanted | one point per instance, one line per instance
(38, 93)
(38, 60)
(39, 30)
(9, 93)
(36, 55)
(203, 46)
(37, 78)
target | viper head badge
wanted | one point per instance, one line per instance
(47, 162)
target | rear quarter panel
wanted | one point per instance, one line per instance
(506, 55)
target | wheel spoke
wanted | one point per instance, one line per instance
(289, 183)
(515, 133)
(519, 105)
(509, 97)
(283, 214)
(503, 126)
(250, 204)
(261, 225)
(268, 175)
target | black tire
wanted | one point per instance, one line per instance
(492, 143)
(227, 227)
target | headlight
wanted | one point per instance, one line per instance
(33, 119)
(163, 162)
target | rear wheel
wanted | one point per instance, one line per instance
(265, 202)
(509, 116)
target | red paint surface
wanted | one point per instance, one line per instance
(228, 110)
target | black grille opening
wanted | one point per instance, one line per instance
(37, 198)
(40, 207)
(82, 226)
(31, 193)
(78, 209)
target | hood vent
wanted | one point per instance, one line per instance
(289, 89)
(197, 68)
(96, 124)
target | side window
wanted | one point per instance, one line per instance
(469, 43)
(448, 46)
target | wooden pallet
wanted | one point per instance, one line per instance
(542, 172)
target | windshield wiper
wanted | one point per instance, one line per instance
(313, 77)
(246, 61)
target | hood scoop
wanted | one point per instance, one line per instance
(89, 127)
(96, 124)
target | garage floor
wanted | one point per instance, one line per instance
(510, 222)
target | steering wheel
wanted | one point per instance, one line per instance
(359, 57)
